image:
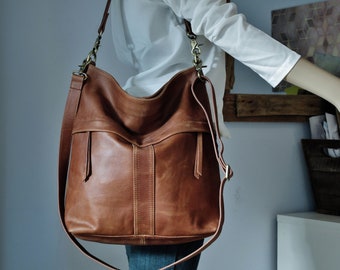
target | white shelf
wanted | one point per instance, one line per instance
(308, 241)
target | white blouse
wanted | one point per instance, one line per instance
(150, 35)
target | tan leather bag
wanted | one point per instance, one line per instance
(139, 171)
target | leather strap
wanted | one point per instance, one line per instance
(65, 148)
(102, 25)
(70, 111)
(64, 154)
(224, 166)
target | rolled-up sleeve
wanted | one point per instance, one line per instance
(221, 24)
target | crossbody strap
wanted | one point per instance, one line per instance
(71, 107)
(64, 154)
(70, 111)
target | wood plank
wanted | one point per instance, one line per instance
(272, 108)
(268, 105)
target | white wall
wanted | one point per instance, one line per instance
(42, 41)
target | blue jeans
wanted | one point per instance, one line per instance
(156, 257)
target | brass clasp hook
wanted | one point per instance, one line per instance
(92, 56)
(196, 52)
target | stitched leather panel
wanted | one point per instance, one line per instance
(144, 190)
(142, 175)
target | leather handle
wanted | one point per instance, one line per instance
(102, 25)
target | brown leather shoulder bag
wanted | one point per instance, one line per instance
(140, 171)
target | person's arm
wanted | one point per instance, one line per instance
(225, 27)
(315, 80)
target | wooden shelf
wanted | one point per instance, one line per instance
(272, 108)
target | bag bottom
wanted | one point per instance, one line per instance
(141, 240)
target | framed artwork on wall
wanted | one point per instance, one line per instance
(312, 30)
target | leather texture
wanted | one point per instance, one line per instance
(142, 170)
(126, 182)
